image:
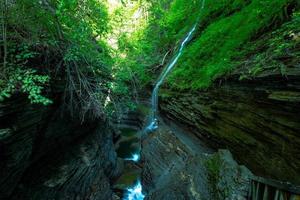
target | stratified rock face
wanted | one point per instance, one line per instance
(257, 120)
(175, 169)
(47, 156)
(255, 110)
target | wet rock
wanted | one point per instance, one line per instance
(175, 172)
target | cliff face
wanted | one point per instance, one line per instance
(176, 166)
(254, 111)
(47, 155)
(257, 120)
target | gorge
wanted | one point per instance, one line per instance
(148, 99)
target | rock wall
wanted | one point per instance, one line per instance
(175, 168)
(257, 120)
(47, 155)
(254, 111)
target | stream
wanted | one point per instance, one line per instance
(153, 125)
(130, 149)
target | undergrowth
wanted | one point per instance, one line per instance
(211, 55)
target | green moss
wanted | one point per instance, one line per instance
(275, 51)
(213, 166)
(212, 53)
(127, 132)
(143, 109)
(127, 148)
(223, 28)
(127, 180)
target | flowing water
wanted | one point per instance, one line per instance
(154, 99)
(136, 192)
(153, 125)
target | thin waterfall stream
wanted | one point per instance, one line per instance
(136, 192)
(153, 125)
(154, 99)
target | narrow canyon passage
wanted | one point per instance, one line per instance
(150, 100)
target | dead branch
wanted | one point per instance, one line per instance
(162, 62)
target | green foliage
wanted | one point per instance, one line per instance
(269, 53)
(223, 28)
(63, 41)
(26, 81)
(21, 79)
(146, 48)
(80, 24)
(104, 55)
(212, 53)
(130, 67)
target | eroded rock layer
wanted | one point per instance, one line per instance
(47, 155)
(175, 168)
(258, 120)
(254, 110)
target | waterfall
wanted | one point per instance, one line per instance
(153, 125)
(136, 192)
(154, 99)
(135, 157)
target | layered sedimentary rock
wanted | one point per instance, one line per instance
(254, 111)
(49, 155)
(258, 120)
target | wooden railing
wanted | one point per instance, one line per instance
(266, 189)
